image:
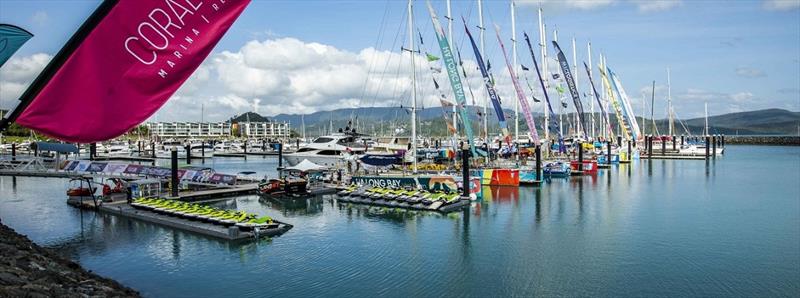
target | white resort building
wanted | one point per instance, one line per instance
(248, 124)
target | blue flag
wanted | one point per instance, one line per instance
(11, 39)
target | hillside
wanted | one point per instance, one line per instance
(381, 120)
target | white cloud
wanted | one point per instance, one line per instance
(569, 4)
(781, 5)
(641, 5)
(656, 5)
(40, 18)
(17, 74)
(749, 72)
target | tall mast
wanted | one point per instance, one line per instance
(543, 48)
(486, 102)
(514, 59)
(652, 108)
(303, 120)
(449, 18)
(413, 86)
(706, 105)
(575, 79)
(560, 105)
(669, 101)
(591, 91)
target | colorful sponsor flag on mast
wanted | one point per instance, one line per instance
(122, 65)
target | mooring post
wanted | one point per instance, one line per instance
(245, 146)
(619, 141)
(608, 152)
(714, 146)
(682, 140)
(708, 144)
(188, 153)
(139, 143)
(13, 151)
(280, 159)
(580, 154)
(539, 162)
(174, 174)
(153, 150)
(630, 153)
(723, 143)
(297, 144)
(92, 150)
(465, 171)
(650, 147)
(674, 143)
(663, 146)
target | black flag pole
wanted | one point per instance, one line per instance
(58, 60)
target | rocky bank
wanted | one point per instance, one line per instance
(28, 270)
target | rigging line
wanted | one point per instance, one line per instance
(382, 78)
(373, 62)
(383, 75)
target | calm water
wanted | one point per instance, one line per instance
(666, 228)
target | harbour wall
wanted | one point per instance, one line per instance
(763, 140)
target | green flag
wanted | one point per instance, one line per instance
(431, 58)
(560, 89)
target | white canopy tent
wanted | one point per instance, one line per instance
(307, 166)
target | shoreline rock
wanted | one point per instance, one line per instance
(29, 270)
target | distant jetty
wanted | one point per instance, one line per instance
(764, 140)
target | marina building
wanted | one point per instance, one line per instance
(249, 124)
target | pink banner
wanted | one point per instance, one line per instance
(128, 67)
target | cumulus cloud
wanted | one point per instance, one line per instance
(781, 5)
(17, 74)
(641, 5)
(568, 4)
(656, 5)
(40, 18)
(749, 72)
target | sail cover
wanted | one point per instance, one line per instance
(11, 39)
(452, 73)
(495, 98)
(526, 111)
(131, 60)
(576, 99)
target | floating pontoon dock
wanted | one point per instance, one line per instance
(232, 233)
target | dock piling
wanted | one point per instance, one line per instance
(539, 162)
(203, 149)
(674, 143)
(714, 146)
(465, 171)
(722, 142)
(663, 146)
(650, 147)
(280, 158)
(708, 143)
(14, 151)
(580, 154)
(630, 153)
(92, 151)
(188, 153)
(608, 153)
(153, 149)
(174, 174)
(682, 136)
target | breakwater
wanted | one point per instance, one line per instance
(763, 140)
(28, 270)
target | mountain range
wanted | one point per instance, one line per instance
(385, 120)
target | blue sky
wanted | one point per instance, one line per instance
(737, 55)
